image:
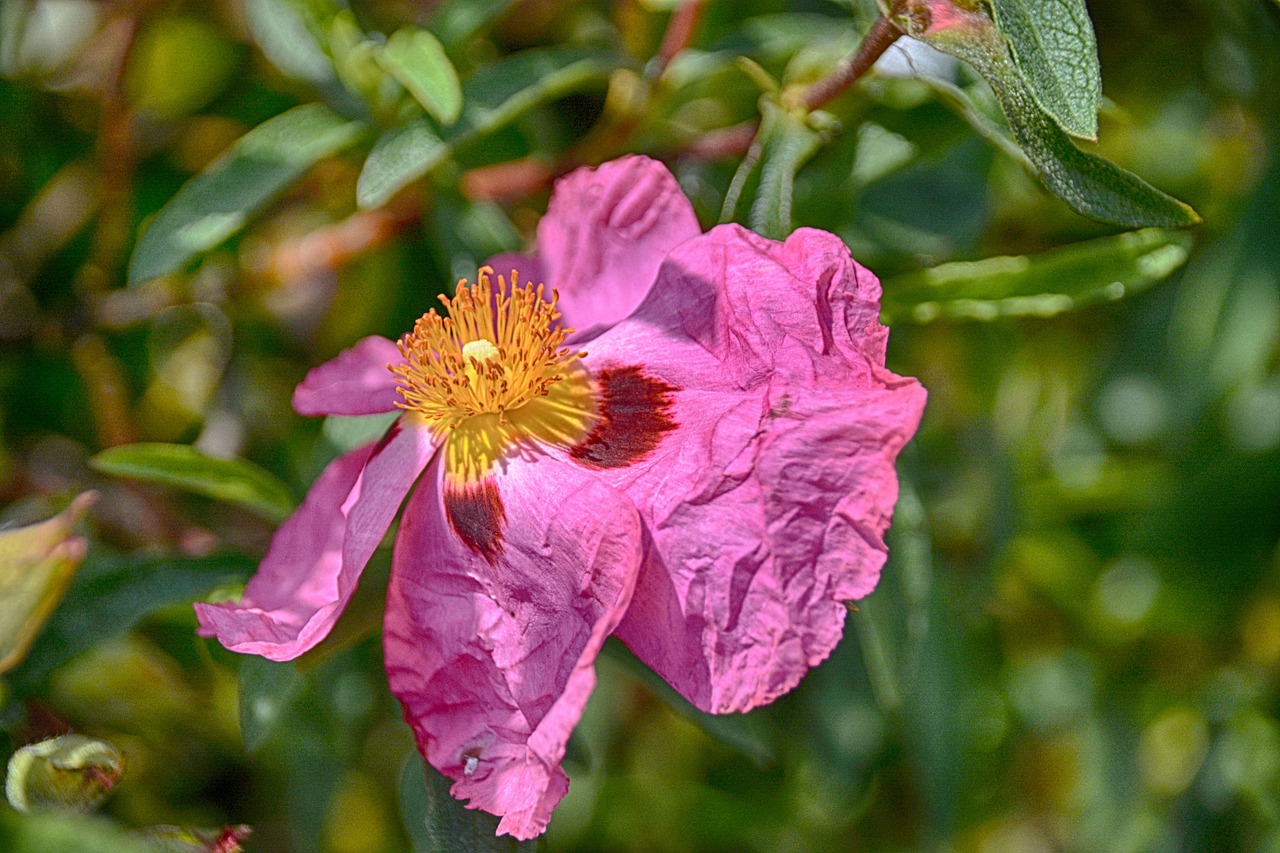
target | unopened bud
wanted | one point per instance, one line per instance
(70, 773)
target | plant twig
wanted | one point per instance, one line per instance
(679, 35)
(116, 159)
(336, 245)
(883, 33)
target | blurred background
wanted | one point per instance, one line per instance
(1076, 641)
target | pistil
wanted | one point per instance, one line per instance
(493, 373)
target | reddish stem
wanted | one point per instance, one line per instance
(883, 33)
(680, 31)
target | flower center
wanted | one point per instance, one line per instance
(494, 374)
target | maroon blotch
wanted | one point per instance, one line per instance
(476, 514)
(635, 412)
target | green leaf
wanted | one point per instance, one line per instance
(347, 432)
(399, 157)
(1053, 45)
(281, 30)
(47, 833)
(494, 95)
(267, 690)
(219, 202)
(741, 732)
(69, 774)
(497, 93)
(893, 625)
(178, 66)
(437, 823)
(37, 563)
(1092, 186)
(458, 20)
(787, 141)
(1043, 285)
(418, 61)
(110, 595)
(235, 481)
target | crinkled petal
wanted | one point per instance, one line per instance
(742, 594)
(605, 234)
(316, 557)
(357, 382)
(768, 495)
(732, 310)
(491, 651)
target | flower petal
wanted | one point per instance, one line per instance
(768, 494)
(605, 234)
(357, 382)
(784, 521)
(527, 267)
(316, 557)
(491, 652)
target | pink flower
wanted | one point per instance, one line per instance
(708, 476)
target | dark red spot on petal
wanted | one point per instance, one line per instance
(476, 514)
(635, 412)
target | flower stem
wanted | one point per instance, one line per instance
(883, 33)
(680, 32)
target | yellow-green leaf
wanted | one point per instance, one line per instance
(418, 62)
(399, 157)
(235, 481)
(36, 564)
(220, 200)
(1059, 280)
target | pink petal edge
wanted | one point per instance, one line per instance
(356, 382)
(605, 234)
(316, 557)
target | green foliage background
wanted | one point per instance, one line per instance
(1076, 641)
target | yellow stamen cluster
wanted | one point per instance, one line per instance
(496, 351)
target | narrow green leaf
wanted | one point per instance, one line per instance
(458, 20)
(437, 823)
(47, 833)
(494, 95)
(1092, 186)
(892, 626)
(399, 157)
(1043, 285)
(110, 595)
(281, 30)
(787, 142)
(267, 691)
(218, 202)
(1053, 45)
(37, 563)
(742, 732)
(418, 61)
(182, 466)
(497, 93)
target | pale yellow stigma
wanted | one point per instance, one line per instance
(494, 373)
(481, 350)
